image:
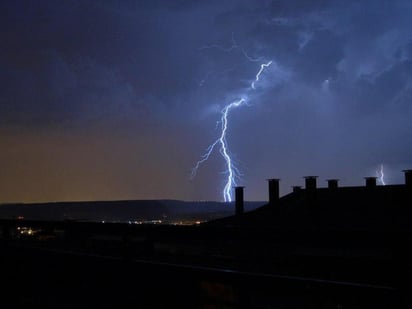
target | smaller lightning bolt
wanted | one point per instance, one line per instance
(381, 176)
(262, 67)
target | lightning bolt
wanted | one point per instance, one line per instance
(381, 175)
(232, 171)
(262, 67)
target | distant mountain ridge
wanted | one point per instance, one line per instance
(126, 210)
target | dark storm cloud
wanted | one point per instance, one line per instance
(92, 52)
(337, 97)
(51, 62)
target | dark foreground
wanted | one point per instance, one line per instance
(72, 265)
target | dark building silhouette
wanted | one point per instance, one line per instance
(385, 208)
(316, 247)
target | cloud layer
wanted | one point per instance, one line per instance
(336, 102)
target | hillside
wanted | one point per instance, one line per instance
(123, 211)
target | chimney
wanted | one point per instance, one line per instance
(310, 183)
(332, 183)
(239, 201)
(273, 191)
(296, 189)
(370, 182)
(408, 178)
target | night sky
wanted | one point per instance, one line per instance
(119, 99)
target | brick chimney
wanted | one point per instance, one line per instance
(370, 182)
(310, 183)
(310, 188)
(296, 189)
(239, 203)
(332, 183)
(273, 191)
(408, 178)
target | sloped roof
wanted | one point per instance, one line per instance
(380, 208)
